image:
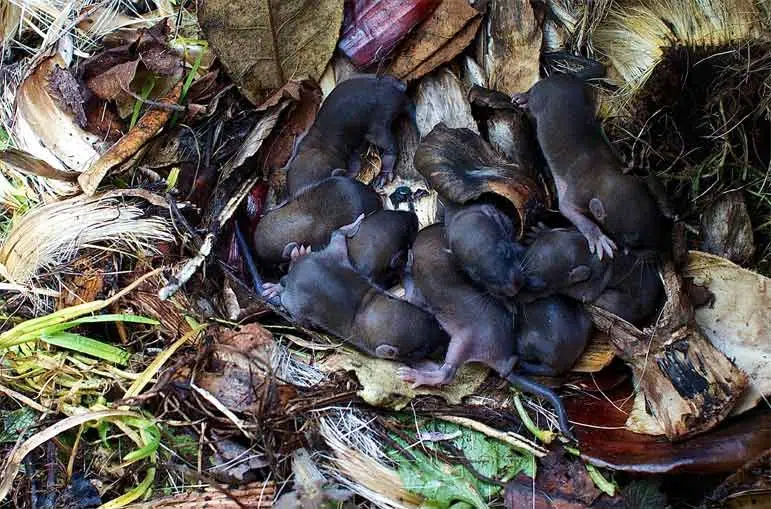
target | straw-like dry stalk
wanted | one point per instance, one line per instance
(633, 38)
(52, 234)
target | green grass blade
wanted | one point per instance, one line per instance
(86, 346)
(118, 317)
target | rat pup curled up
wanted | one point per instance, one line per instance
(559, 262)
(359, 110)
(481, 240)
(481, 327)
(592, 192)
(310, 217)
(324, 290)
(552, 336)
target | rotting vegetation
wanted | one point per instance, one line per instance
(113, 395)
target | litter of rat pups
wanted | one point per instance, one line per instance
(463, 290)
(469, 271)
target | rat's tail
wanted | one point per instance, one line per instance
(246, 253)
(534, 388)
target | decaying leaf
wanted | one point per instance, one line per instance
(511, 51)
(599, 353)
(241, 361)
(46, 130)
(738, 322)
(726, 229)
(258, 495)
(441, 37)
(382, 387)
(373, 28)
(84, 285)
(562, 482)
(66, 91)
(265, 43)
(147, 127)
(114, 81)
(605, 442)
(233, 461)
(29, 165)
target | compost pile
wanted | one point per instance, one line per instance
(147, 360)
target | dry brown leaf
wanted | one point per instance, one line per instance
(419, 54)
(30, 165)
(147, 127)
(739, 322)
(66, 90)
(449, 51)
(44, 129)
(113, 82)
(265, 43)
(599, 353)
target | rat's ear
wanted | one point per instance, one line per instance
(286, 254)
(339, 172)
(579, 273)
(597, 209)
(535, 283)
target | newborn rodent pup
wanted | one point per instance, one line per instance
(552, 335)
(481, 239)
(359, 110)
(481, 327)
(591, 190)
(378, 250)
(310, 217)
(559, 262)
(324, 290)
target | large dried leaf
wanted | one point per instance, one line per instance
(265, 43)
(448, 30)
(47, 130)
(115, 81)
(738, 322)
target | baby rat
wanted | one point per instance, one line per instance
(591, 190)
(559, 262)
(481, 327)
(359, 110)
(310, 217)
(378, 245)
(553, 335)
(378, 250)
(481, 239)
(324, 290)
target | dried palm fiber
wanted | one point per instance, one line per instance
(634, 37)
(52, 234)
(569, 24)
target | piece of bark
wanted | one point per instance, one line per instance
(726, 229)
(446, 32)
(147, 127)
(688, 385)
(373, 28)
(511, 49)
(441, 97)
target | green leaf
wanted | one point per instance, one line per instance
(86, 346)
(443, 485)
(117, 317)
(16, 423)
(151, 435)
